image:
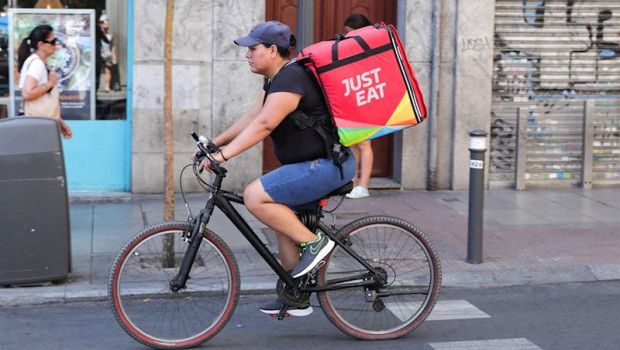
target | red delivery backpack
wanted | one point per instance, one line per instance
(369, 86)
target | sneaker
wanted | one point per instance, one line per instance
(358, 192)
(273, 308)
(312, 253)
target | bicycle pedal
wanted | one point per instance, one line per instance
(277, 317)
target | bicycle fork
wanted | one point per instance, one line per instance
(194, 239)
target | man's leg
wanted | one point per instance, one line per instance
(277, 216)
(289, 252)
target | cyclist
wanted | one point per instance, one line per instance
(312, 167)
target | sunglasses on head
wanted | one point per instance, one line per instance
(51, 42)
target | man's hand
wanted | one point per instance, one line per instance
(197, 155)
(206, 163)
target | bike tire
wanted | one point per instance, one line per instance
(413, 272)
(143, 303)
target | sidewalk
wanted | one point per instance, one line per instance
(530, 237)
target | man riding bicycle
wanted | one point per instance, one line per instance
(313, 165)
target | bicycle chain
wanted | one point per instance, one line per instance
(287, 294)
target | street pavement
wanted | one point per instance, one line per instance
(530, 237)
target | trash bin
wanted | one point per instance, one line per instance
(34, 215)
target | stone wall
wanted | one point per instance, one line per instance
(211, 85)
(473, 80)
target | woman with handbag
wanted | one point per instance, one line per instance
(37, 82)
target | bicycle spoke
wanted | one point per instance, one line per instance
(401, 253)
(146, 307)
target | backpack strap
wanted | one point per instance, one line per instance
(22, 107)
(324, 127)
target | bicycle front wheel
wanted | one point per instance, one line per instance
(404, 256)
(144, 304)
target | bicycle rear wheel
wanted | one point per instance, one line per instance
(141, 298)
(397, 250)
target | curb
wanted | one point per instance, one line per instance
(63, 294)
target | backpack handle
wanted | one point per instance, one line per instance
(338, 37)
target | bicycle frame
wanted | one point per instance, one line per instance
(402, 264)
(222, 199)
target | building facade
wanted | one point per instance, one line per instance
(212, 86)
(478, 62)
(542, 78)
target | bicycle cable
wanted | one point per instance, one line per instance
(189, 211)
(331, 212)
(337, 205)
(205, 185)
(200, 181)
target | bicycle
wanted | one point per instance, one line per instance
(176, 284)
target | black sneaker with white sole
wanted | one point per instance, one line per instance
(312, 253)
(274, 307)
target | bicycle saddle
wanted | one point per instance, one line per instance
(342, 190)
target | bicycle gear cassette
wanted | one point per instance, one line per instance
(288, 295)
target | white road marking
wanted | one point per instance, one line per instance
(443, 310)
(492, 344)
(455, 310)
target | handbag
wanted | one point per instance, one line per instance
(47, 105)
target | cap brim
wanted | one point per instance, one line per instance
(247, 41)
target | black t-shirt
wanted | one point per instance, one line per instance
(291, 143)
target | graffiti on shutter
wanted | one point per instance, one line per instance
(548, 56)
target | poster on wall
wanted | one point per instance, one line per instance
(73, 59)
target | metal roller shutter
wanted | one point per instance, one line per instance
(550, 56)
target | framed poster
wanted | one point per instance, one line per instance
(74, 58)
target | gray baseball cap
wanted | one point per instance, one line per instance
(272, 32)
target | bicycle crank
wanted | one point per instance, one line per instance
(289, 296)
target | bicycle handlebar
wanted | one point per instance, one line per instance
(206, 147)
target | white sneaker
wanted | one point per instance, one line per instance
(358, 192)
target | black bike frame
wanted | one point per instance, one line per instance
(222, 199)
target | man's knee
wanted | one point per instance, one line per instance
(249, 197)
(254, 195)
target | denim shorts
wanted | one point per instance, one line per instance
(300, 185)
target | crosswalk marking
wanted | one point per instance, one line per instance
(443, 310)
(492, 344)
(455, 310)
(459, 310)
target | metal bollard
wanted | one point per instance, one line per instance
(477, 148)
